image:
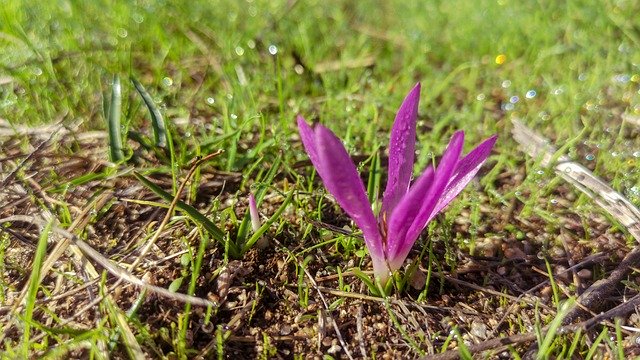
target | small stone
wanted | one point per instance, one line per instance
(561, 273)
(334, 349)
(327, 341)
(285, 330)
(584, 274)
(479, 330)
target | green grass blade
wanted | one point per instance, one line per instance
(192, 212)
(34, 283)
(546, 344)
(157, 122)
(113, 121)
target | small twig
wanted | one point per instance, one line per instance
(113, 269)
(359, 326)
(596, 295)
(345, 347)
(619, 311)
(172, 207)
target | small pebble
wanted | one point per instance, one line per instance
(327, 341)
(334, 349)
(285, 330)
(584, 274)
(479, 330)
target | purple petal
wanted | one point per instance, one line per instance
(307, 135)
(412, 227)
(401, 151)
(467, 168)
(407, 210)
(341, 179)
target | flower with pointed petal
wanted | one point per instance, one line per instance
(407, 207)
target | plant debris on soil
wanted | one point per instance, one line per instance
(269, 302)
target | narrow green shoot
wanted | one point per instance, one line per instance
(34, 283)
(157, 121)
(113, 121)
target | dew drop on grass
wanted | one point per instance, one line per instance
(138, 18)
(251, 44)
(582, 77)
(590, 106)
(508, 107)
(299, 69)
(514, 99)
(506, 83)
(558, 90)
(480, 97)
(544, 115)
(615, 153)
(211, 101)
(122, 32)
(622, 78)
(37, 71)
(553, 201)
(239, 50)
(167, 81)
(273, 49)
(234, 116)
(531, 94)
(636, 154)
(590, 157)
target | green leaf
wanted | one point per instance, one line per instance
(192, 212)
(113, 121)
(175, 284)
(157, 121)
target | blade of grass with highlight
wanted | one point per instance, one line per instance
(113, 121)
(192, 212)
(119, 320)
(157, 121)
(34, 283)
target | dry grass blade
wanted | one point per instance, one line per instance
(582, 178)
(610, 200)
(498, 343)
(113, 269)
(174, 202)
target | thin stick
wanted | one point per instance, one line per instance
(618, 311)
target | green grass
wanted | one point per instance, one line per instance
(199, 76)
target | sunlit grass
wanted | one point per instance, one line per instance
(233, 75)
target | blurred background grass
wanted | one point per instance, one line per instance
(233, 75)
(241, 68)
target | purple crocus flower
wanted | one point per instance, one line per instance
(407, 207)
